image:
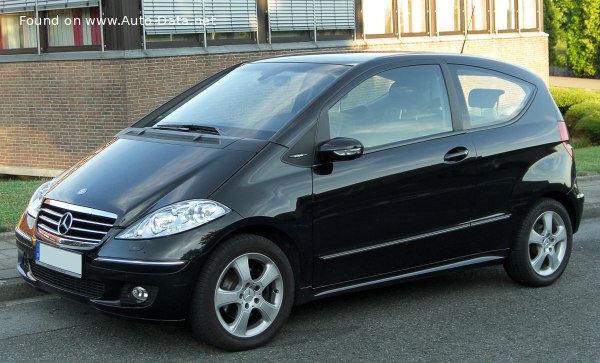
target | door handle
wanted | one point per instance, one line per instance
(457, 154)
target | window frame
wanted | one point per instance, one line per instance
(395, 24)
(427, 31)
(462, 20)
(462, 102)
(29, 50)
(538, 22)
(516, 19)
(490, 18)
(175, 44)
(323, 130)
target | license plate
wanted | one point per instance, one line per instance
(54, 258)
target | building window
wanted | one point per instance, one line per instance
(15, 34)
(448, 16)
(477, 15)
(216, 21)
(75, 27)
(528, 14)
(304, 20)
(504, 11)
(164, 40)
(378, 17)
(413, 16)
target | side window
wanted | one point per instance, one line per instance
(396, 105)
(490, 97)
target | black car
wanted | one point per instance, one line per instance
(280, 181)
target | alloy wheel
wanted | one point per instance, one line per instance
(248, 295)
(547, 243)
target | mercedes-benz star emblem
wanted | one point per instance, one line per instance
(65, 223)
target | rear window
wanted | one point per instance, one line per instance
(490, 97)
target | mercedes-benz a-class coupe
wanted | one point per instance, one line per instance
(280, 181)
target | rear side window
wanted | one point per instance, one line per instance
(490, 97)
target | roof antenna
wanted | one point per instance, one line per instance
(468, 27)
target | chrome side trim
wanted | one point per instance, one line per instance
(490, 219)
(396, 242)
(450, 266)
(139, 262)
(476, 222)
(23, 235)
(81, 209)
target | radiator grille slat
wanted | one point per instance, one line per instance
(88, 225)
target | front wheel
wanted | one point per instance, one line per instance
(244, 294)
(541, 251)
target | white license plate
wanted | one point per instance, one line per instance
(60, 260)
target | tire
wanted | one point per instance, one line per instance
(244, 294)
(542, 248)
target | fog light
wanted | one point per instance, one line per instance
(139, 293)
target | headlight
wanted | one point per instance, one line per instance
(35, 202)
(175, 218)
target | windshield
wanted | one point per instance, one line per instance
(255, 100)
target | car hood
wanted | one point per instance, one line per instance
(132, 176)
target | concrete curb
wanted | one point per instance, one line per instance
(16, 289)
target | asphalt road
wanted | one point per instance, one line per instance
(478, 315)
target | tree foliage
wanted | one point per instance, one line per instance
(582, 34)
(552, 26)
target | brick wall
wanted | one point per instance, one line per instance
(53, 113)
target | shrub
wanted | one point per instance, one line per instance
(589, 126)
(579, 142)
(581, 110)
(567, 97)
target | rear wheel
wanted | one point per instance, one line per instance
(243, 295)
(541, 251)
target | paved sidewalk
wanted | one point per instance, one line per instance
(8, 256)
(13, 287)
(570, 82)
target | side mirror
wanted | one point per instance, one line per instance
(341, 148)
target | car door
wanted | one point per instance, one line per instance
(406, 202)
(508, 144)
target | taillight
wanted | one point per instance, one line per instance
(565, 137)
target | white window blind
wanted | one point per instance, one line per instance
(231, 16)
(290, 15)
(16, 6)
(334, 14)
(65, 4)
(161, 14)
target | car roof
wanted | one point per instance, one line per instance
(350, 59)
(353, 59)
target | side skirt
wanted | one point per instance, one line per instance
(491, 258)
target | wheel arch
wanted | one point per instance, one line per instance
(276, 235)
(566, 202)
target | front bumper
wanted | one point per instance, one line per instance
(107, 285)
(166, 267)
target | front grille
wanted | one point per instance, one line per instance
(88, 226)
(88, 288)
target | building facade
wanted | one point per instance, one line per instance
(75, 72)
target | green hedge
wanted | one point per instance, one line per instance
(581, 110)
(567, 97)
(589, 126)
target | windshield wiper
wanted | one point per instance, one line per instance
(189, 128)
